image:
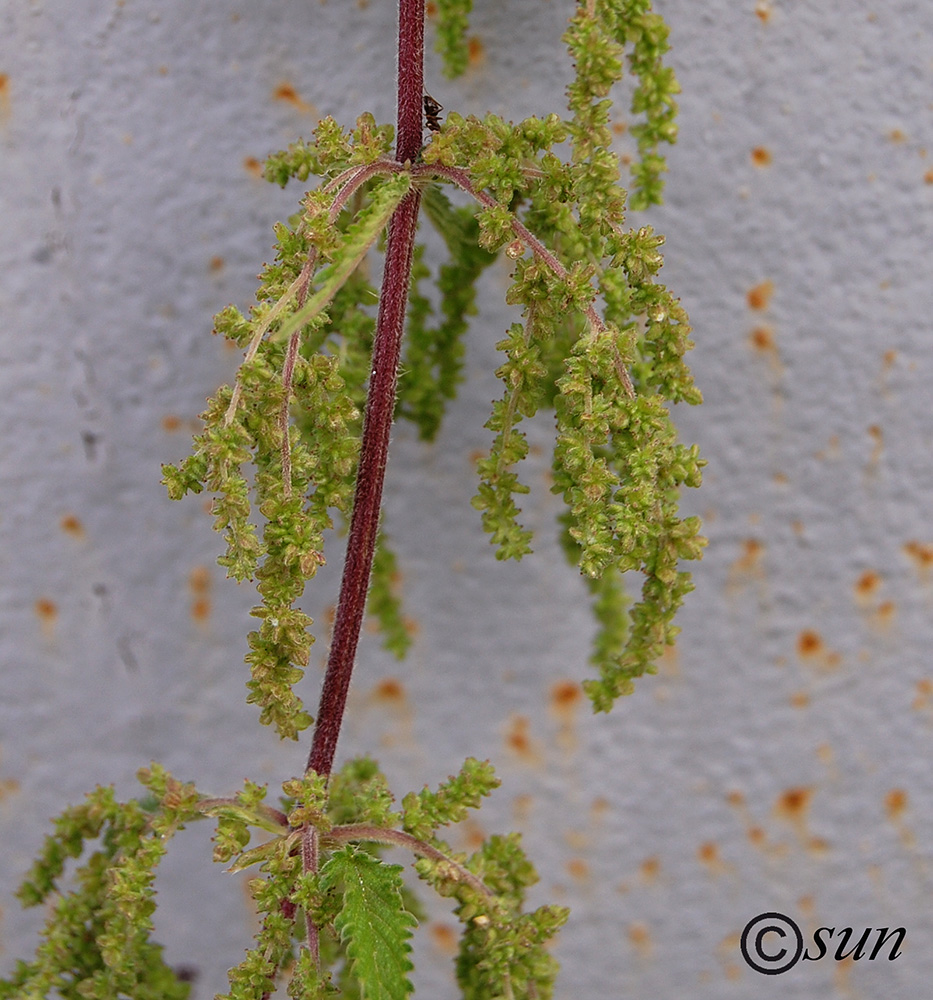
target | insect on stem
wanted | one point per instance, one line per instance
(431, 110)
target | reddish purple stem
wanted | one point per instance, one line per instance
(380, 401)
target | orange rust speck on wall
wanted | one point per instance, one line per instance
(199, 583)
(733, 971)
(750, 560)
(473, 834)
(867, 585)
(519, 741)
(650, 868)
(842, 976)
(47, 613)
(578, 869)
(812, 649)
(809, 643)
(895, 803)
(928, 177)
(566, 696)
(199, 580)
(833, 450)
(46, 610)
(476, 52)
(757, 836)
(708, 853)
(201, 609)
(884, 614)
(640, 938)
(921, 554)
(793, 803)
(444, 938)
(817, 845)
(286, 93)
(598, 808)
(764, 344)
(71, 525)
(216, 264)
(8, 786)
(759, 297)
(431, 8)
(924, 696)
(764, 10)
(252, 166)
(390, 689)
(792, 806)
(578, 840)
(517, 736)
(762, 339)
(761, 157)
(807, 906)
(4, 97)
(522, 806)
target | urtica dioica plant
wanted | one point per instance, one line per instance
(301, 438)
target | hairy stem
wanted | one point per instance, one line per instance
(410, 79)
(380, 400)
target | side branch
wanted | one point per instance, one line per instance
(398, 838)
(262, 815)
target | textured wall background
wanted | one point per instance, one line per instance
(779, 761)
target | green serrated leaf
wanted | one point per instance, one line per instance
(373, 922)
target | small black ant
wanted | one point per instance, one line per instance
(431, 110)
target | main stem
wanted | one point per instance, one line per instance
(380, 401)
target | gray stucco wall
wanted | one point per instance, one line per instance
(780, 759)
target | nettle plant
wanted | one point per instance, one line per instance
(303, 435)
